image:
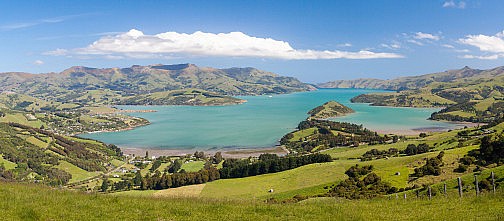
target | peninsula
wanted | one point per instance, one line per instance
(329, 109)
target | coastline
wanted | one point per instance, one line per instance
(416, 131)
(232, 153)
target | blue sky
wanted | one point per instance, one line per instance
(315, 41)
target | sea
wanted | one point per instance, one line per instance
(260, 122)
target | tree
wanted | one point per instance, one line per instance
(395, 138)
(217, 158)
(137, 181)
(175, 166)
(199, 155)
(105, 185)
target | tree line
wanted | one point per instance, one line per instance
(491, 151)
(232, 168)
(268, 163)
(348, 134)
(410, 150)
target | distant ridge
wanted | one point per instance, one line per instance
(464, 74)
(78, 82)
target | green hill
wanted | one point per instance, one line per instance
(43, 157)
(463, 75)
(329, 109)
(34, 202)
(86, 85)
(466, 94)
(181, 97)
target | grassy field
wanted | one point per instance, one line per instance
(32, 202)
(78, 174)
(37, 142)
(258, 186)
(185, 191)
(7, 164)
(116, 162)
(310, 179)
(194, 166)
(89, 119)
(21, 119)
(302, 133)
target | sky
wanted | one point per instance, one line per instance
(314, 41)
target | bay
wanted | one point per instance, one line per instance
(260, 122)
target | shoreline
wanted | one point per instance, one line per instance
(417, 131)
(231, 153)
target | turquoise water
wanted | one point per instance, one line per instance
(260, 122)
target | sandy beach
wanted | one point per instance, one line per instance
(226, 153)
(417, 131)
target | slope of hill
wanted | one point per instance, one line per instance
(80, 84)
(192, 97)
(329, 109)
(462, 76)
(43, 157)
(466, 94)
(31, 202)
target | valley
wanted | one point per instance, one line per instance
(322, 153)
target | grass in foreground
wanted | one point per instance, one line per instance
(35, 202)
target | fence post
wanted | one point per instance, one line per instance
(493, 182)
(460, 186)
(476, 184)
(430, 193)
(444, 188)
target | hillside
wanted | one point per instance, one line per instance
(465, 94)
(31, 202)
(43, 157)
(464, 75)
(299, 194)
(86, 85)
(192, 97)
(329, 109)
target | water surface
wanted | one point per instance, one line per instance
(260, 122)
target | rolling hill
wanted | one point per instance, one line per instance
(465, 94)
(465, 75)
(109, 85)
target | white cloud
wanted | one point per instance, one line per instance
(345, 45)
(453, 4)
(493, 44)
(421, 35)
(57, 52)
(448, 46)
(135, 43)
(20, 25)
(462, 50)
(484, 57)
(393, 45)
(415, 42)
(38, 62)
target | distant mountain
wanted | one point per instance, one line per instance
(465, 94)
(465, 74)
(77, 83)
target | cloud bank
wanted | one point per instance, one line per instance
(492, 45)
(135, 43)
